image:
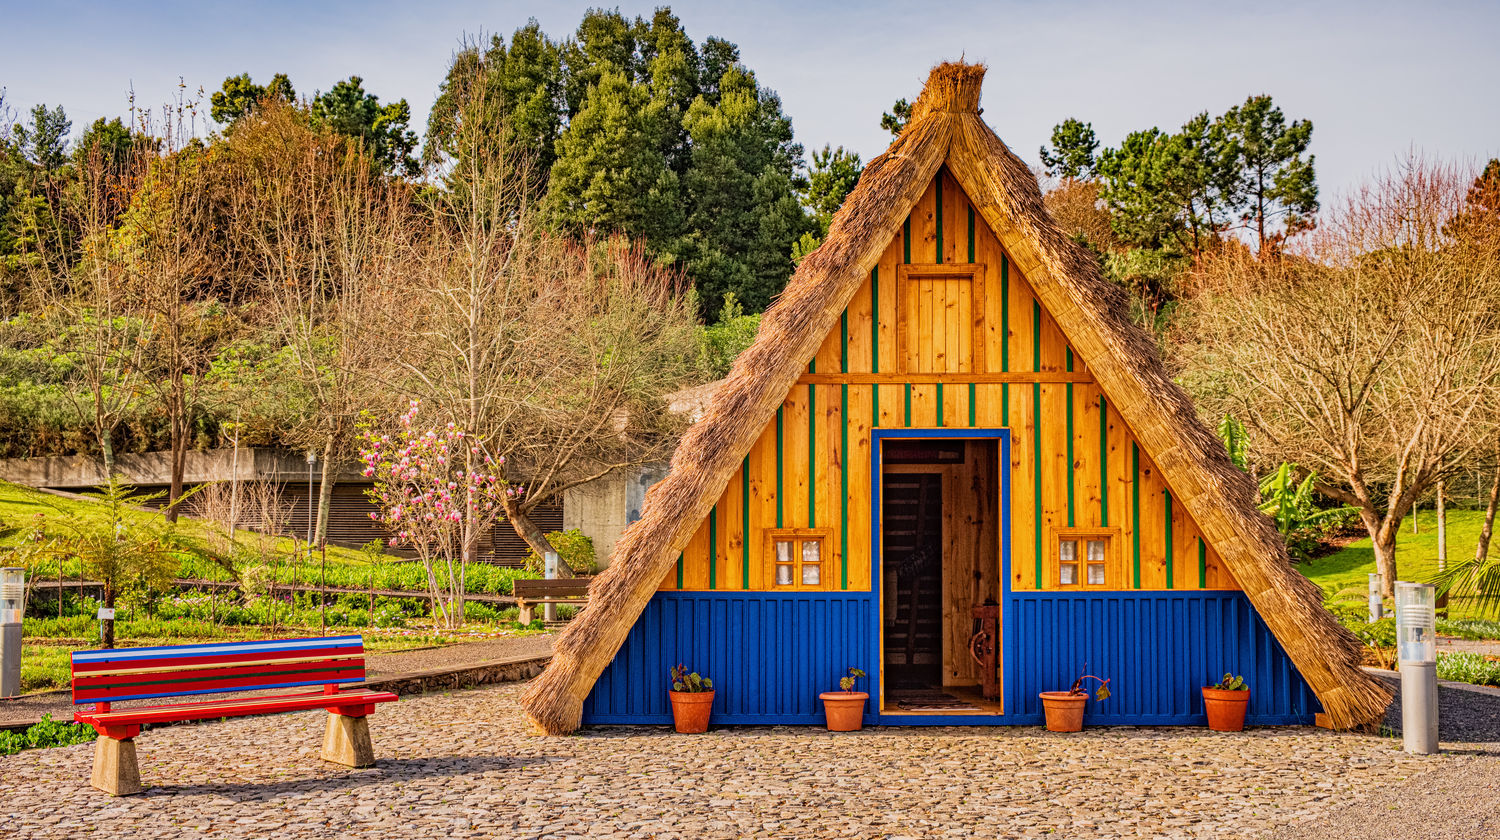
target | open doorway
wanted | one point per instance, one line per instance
(940, 561)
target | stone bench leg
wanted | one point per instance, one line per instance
(525, 612)
(347, 741)
(115, 768)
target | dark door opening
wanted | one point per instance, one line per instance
(939, 560)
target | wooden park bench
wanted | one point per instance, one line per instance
(103, 677)
(530, 592)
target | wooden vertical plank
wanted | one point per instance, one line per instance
(695, 559)
(890, 306)
(732, 523)
(954, 401)
(956, 327)
(1057, 471)
(1086, 455)
(861, 324)
(923, 406)
(1023, 515)
(794, 460)
(756, 518)
(860, 397)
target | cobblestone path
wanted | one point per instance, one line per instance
(464, 765)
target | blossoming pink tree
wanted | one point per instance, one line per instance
(438, 492)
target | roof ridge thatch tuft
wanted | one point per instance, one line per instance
(945, 126)
(952, 88)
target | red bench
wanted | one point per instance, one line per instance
(103, 677)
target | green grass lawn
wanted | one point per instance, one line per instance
(346, 567)
(1416, 555)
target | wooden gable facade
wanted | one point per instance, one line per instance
(947, 334)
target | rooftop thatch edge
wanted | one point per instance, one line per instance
(945, 125)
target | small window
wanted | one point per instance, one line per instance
(1084, 559)
(797, 557)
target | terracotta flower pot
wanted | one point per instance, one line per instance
(690, 710)
(845, 709)
(1226, 709)
(1064, 711)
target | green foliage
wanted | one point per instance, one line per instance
(896, 119)
(574, 547)
(1375, 634)
(1274, 181)
(684, 681)
(1293, 506)
(1477, 578)
(1232, 433)
(832, 176)
(383, 129)
(239, 96)
(47, 733)
(44, 142)
(1472, 629)
(1074, 152)
(846, 683)
(1468, 667)
(1230, 682)
(723, 341)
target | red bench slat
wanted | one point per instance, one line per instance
(264, 705)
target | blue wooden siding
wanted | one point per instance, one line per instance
(769, 655)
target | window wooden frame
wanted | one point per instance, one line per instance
(972, 272)
(1114, 568)
(799, 536)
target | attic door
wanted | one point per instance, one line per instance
(941, 328)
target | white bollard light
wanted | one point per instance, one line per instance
(12, 608)
(549, 569)
(1377, 609)
(1416, 647)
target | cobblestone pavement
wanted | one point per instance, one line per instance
(464, 765)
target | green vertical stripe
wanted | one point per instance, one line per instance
(779, 474)
(938, 182)
(906, 240)
(713, 547)
(1202, 564)
(1036, 335)
(1005, 405)
(812, 366)
(844, 488)
(1103, 461)
(1135, 510)
(812, 456)
(971, 233)
(1070, 456)
(1167, 495)
(745, 524)
(940, 405)
(844, 342)
(1004, 313)
(875, 320)
(679, 571)
(908, 404)
(973, 390)
(1036, 472)
(1070, 358)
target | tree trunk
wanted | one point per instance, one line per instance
(1384, 542)
(527, 530)
(107, 452)
(1482, 549)
(325, 494)
(1442, 538)
(177, 420)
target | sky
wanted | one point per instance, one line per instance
(1379, 80)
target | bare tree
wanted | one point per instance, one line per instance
(1373, 357)
(552, 353)
(321, 224)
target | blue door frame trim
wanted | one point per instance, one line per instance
(878, 437)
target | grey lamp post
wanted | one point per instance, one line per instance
(12, 607)
(1416, 644)
(312, 458)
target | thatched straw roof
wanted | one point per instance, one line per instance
(946, 127)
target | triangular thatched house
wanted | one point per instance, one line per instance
(946, 409)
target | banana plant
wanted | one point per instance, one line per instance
(1290, 503)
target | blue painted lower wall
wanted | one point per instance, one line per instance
(770, 654)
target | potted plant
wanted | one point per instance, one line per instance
(1064, 709)
(845, 708)
(1225, 704)
(692, 700)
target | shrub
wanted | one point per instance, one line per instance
(574, 547)
(48, 733)
(1468, 667)
(1473, 629)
